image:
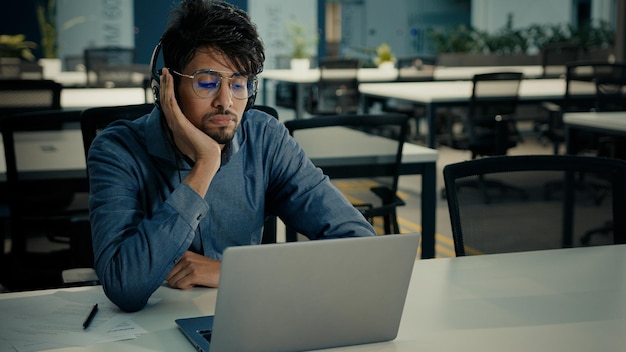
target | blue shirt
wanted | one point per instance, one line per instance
(143, 217)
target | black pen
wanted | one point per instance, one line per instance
(92, 314)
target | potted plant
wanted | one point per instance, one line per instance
(46, 17)
(384, 57)
(16, 47)
(302, 44)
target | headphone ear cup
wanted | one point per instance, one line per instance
(155, 79)
(155, 85)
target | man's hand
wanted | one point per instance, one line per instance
(191, 141)
(188, 138)
(194, 270)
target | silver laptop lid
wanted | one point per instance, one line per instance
(312, 294)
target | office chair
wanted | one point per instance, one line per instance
(555, 57)
(19, 95)
(588, 88)
(112, 66)
(510, 223)
(52, 204)
(390, 125)
(489, 128)
(337, 90)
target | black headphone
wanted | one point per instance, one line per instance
(155, 79)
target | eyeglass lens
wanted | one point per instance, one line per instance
(207, 83)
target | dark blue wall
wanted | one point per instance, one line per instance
(150, 22)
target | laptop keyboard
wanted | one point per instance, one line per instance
(206, 334)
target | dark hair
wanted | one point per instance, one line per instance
(215, 24)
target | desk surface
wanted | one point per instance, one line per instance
(612, 121)
(95, 97)
(313, 75)
(324, 153)
(554, 300)
(388, 75)
(458, 91)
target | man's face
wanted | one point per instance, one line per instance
(219, 115)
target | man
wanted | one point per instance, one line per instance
(172, 189)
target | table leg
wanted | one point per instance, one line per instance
(429, 208)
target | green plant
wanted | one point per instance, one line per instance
(46, 17)
(463, 39)
(16, 46)
(302, 41)
(384, 54)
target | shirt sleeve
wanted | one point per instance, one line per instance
(141, 225)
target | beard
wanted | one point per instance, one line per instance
(221, 134)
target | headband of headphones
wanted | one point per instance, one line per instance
(155, 79)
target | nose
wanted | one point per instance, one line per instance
(224, 96)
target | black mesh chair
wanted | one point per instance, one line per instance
(555, 57)
(44, 205)
(113, 66)
(18, 95)
(590, 86)
(489, 128)
(337, 90)
(536, 219)
(392, 126)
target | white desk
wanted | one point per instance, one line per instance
(609, 123)
(304, 78)
(467, 72)
(82, 98)
(436, 94)
(558, 300)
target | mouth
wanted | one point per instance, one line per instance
(221, 119)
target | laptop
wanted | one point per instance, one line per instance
(307, 295)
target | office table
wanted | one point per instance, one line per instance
(60, 155)
(73, 98)
(304, 78)
(340, 161)
(611, 123)
(554, 300)
(437, 94)
(442, 73)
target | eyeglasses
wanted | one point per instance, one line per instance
(206, 83)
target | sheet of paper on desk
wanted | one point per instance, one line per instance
(33, 324)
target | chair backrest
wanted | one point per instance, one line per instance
(19, 95)
(94, 120)
(266, 109)
(551, 211)
(555, 57)
(110, 56)
(610, 81)
(416, 68)
(391, 125)
(493, 102)
(337, 91)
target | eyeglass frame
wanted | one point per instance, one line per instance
(251, 81)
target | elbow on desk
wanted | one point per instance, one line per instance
(130, 294)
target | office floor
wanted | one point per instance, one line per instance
(358, 192)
